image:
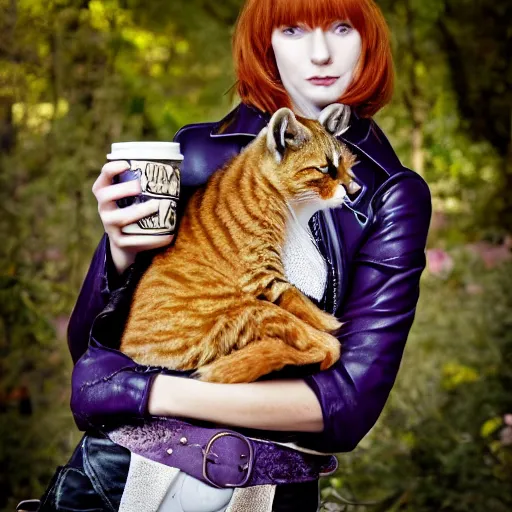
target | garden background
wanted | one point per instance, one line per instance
(77, 75)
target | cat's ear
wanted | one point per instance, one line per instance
(284, 131)
(335, 118)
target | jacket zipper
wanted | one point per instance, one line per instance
(331, 292)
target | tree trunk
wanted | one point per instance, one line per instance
(412, 98)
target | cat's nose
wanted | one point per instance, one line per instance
(340, 192)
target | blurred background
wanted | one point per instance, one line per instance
(77, 75)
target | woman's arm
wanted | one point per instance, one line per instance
(288, 405)
(378, 313)
(114, 254)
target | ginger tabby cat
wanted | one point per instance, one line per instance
(218, 300)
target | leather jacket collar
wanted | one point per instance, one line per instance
(363, 133)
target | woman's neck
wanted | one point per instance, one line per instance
(304, 108)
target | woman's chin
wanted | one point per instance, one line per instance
(323, 96)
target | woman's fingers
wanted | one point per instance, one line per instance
(114, 221)
(139, 243)
(107, 195)
(106, 192)
(108, 171)
(124, 246)
(123, 216)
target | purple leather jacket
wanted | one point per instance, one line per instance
(375, 252)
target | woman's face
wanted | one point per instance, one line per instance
(316, 66)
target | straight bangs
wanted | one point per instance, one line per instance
(313, 13)
(258, 81)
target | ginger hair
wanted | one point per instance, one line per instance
(258, 83)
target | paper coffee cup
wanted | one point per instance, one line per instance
(157, 166)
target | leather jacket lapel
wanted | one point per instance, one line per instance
(243, 120)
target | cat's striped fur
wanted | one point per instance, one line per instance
(218, 300)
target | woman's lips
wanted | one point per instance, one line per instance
(326, 80)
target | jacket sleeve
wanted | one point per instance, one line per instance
(101, 278)
(377, 315)
(106, 385)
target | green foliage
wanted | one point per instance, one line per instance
(450, 117)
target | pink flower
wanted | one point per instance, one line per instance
(439, 262)
(491, 255)
(506, 433)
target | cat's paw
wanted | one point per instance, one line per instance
(219, 373)
(328, 322)
(332, 353)
(200, 374)
(213, 375)
(302, 307)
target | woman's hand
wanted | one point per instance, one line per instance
(124, 247)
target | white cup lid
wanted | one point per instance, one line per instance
(145, 150)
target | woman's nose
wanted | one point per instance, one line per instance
(320, 53)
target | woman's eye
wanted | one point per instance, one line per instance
(342, 28)
(291, 31)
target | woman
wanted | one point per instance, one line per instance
(304, 55)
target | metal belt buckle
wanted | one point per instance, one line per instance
(247, 466)
(331, 468)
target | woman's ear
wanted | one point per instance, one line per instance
(284, 131)
(335, 118)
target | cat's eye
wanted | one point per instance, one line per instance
(323, 170)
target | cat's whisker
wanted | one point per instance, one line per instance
(305, 198)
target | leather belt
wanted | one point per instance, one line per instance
(220, 457)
